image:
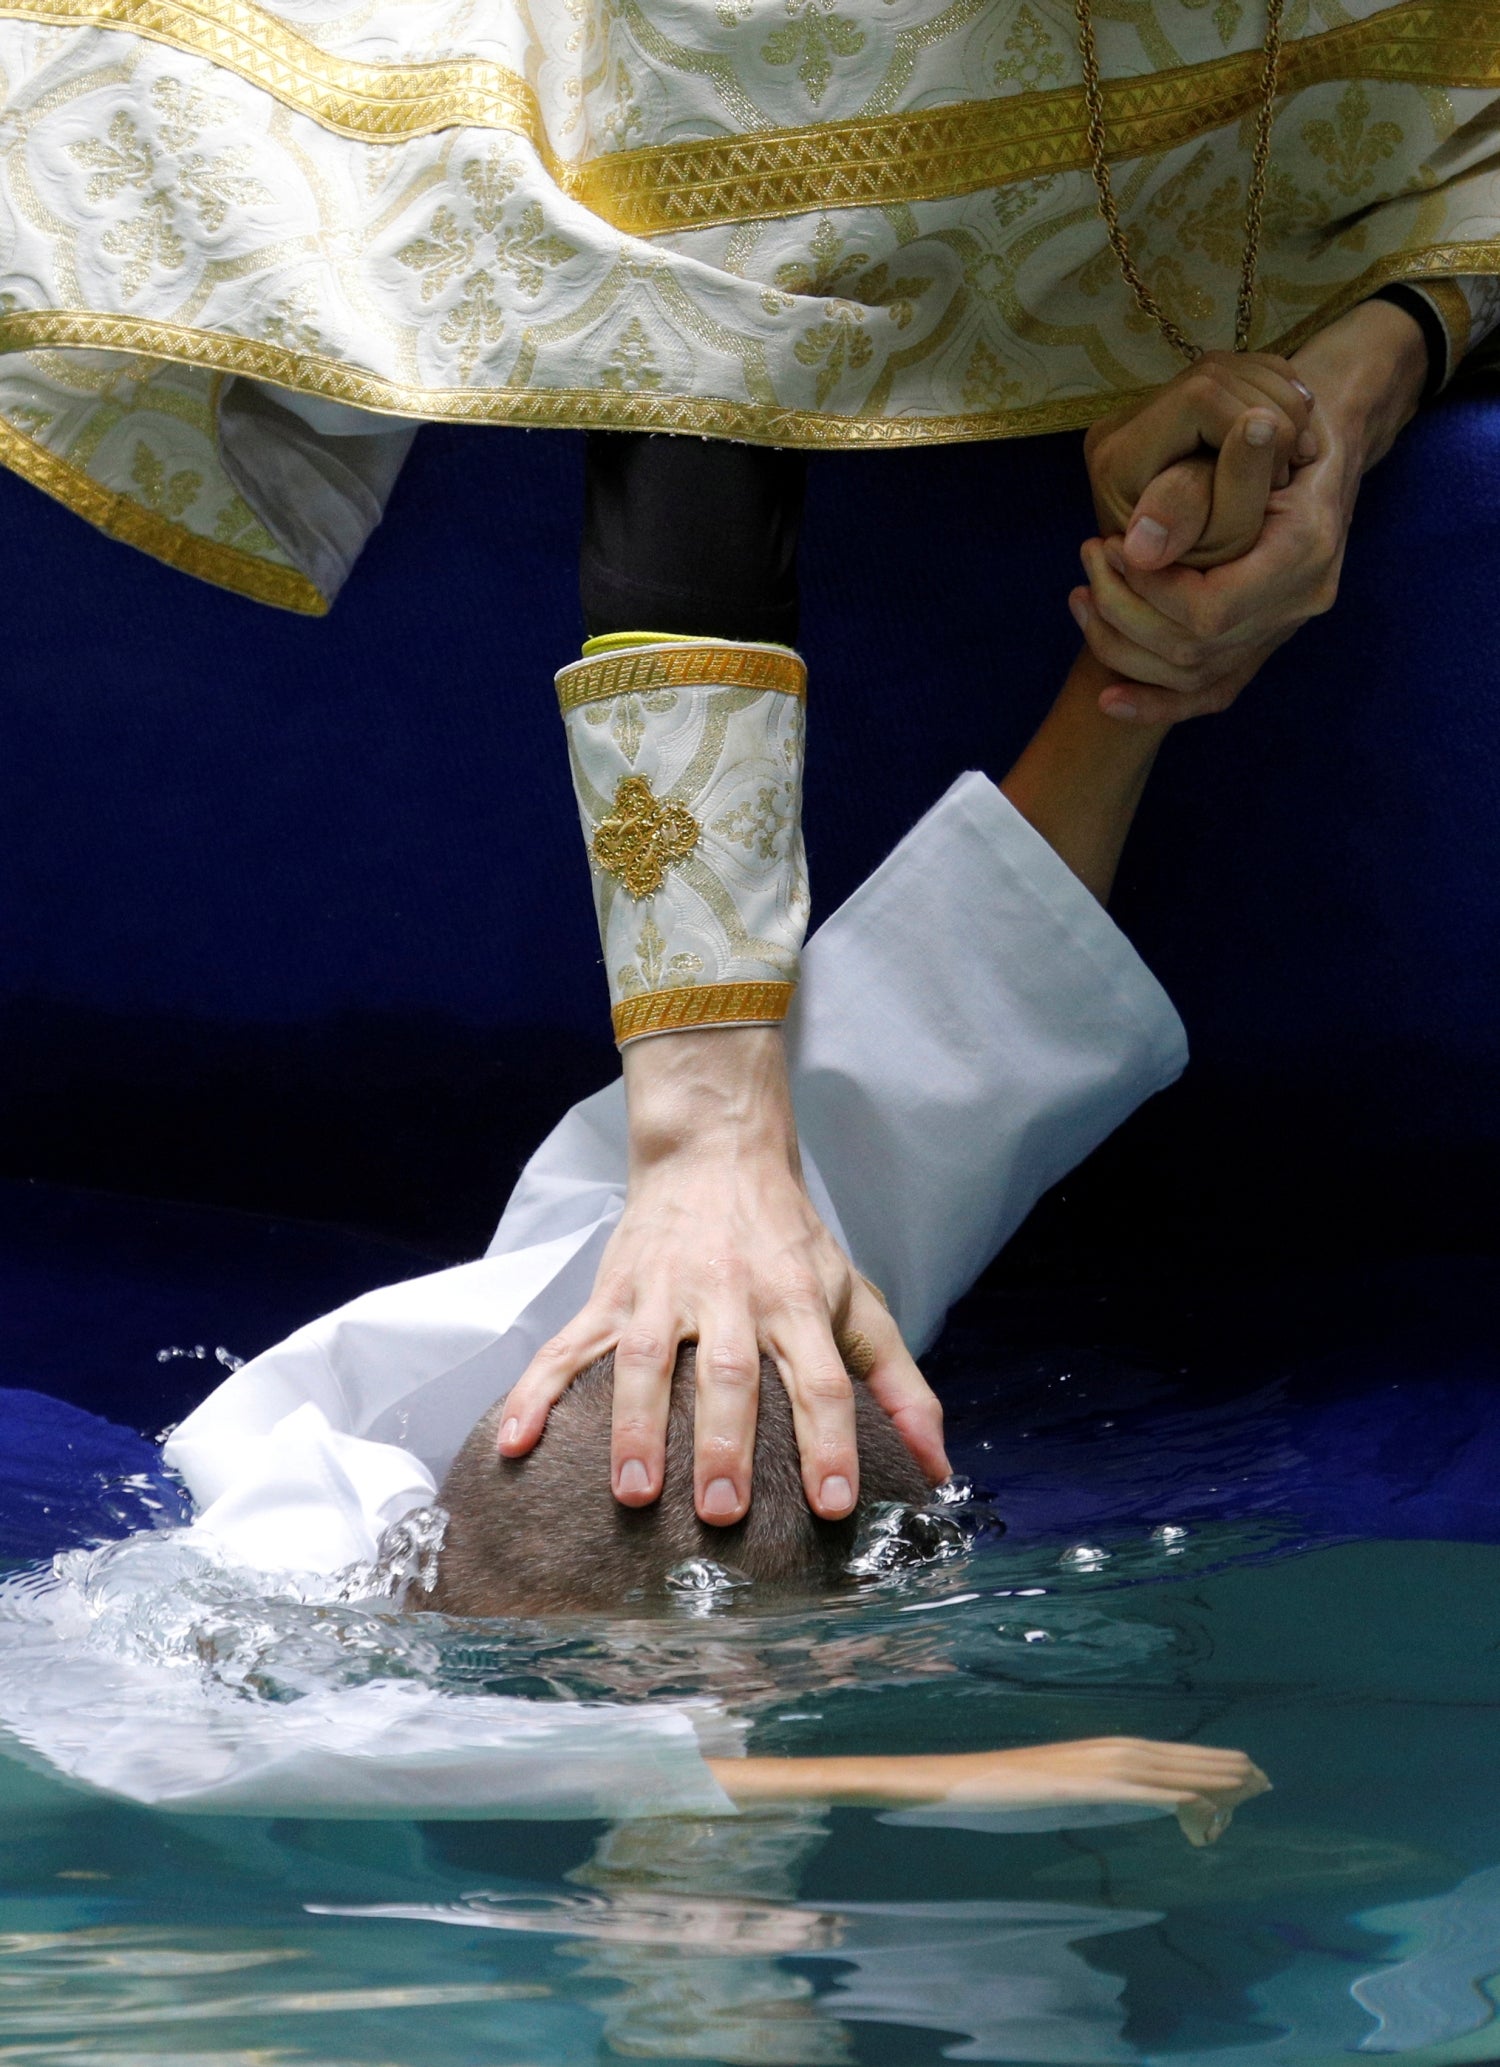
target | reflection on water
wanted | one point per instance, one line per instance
(689, 1926)
(1354, 1910)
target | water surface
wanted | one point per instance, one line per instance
(1355, 1908)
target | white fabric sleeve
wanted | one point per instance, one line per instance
(317, 474)
(972, 1024)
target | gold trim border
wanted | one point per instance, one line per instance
(888, 160)
(704, 1004)
(755, 423)
(876, 161)
(120, 516)
(568, 409)
(712, 665)
(1451, 306)
(373, 103)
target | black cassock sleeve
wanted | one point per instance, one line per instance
(690, 535)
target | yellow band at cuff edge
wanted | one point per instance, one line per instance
(704, 1004)
(712, 664)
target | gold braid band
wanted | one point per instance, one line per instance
(704, 1004)
(641, 670)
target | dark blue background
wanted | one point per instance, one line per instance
(295, 917)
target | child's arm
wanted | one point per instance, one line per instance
(1081, 778)
(1201, 1784)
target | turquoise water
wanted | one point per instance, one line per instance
(1356, 1908)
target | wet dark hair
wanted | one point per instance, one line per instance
(544, 1534)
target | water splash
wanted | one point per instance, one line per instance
(198, 1354)
(406, 1557)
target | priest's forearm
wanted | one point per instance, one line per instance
(1367, 370)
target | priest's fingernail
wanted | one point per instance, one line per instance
(509, 1430)
(837, 1493)
(633, 1478)
(1145, 539)
(1305, 392)
(1120, 707)
(720, 1502)
(1259, 430)
(1307, 445)
(1080, 610)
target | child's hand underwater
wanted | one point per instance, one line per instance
(1201, 1784)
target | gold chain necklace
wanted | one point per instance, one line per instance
(1146, 302)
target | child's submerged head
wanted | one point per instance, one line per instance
(543, 1534)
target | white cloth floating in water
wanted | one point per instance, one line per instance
(970, 1024)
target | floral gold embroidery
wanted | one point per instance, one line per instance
(643, 837)
(654, 968)
(622, 118)
(987, 382)
(477, 250)
(811, 40)
(1032, 61)
(760, 823)
(835, 347)
(836, 274)
(289, 322)
(838, 345)
(1227, 19)
(169, 495)
(1351, 146)
(238, 525)
(626, 717)
(176, 176)
(633, 366)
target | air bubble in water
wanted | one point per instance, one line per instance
(1084, 1557)
(896, 1538)
(699, 1586)
(700, 1575)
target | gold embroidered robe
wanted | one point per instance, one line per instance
(817, 222)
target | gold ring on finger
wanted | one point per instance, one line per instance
(857, 1350)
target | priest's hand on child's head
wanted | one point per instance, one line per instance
(720, 1244)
